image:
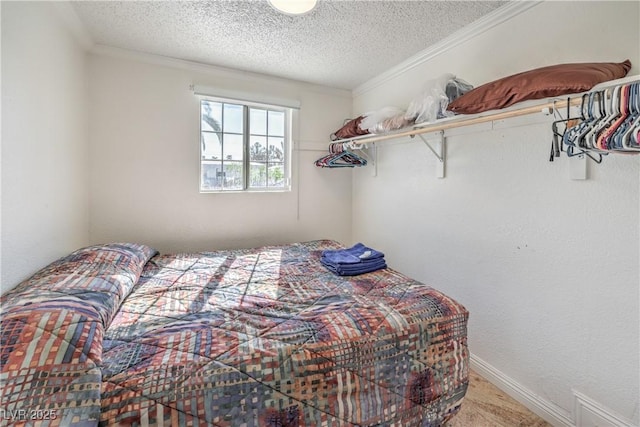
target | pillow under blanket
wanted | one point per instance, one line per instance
(545, 82)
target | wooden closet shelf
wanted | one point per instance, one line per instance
(463, 120)
(544, 106)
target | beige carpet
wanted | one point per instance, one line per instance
(487, 406)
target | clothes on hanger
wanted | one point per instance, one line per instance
(609, 122)
(339, 157)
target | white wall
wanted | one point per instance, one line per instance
(144, 132)
(44, 140)
(547, 266)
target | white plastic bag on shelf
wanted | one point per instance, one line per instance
(392, 123)
(456, 87)
(384, 120)
(436, 94)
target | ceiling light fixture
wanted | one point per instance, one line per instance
(293, 7)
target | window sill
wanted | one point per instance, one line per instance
(260, 191)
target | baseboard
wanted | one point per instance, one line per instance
(589, 413)
(541, 407)
(586, 411)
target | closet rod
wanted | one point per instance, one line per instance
(465, 120)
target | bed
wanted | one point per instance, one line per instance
(120, 335)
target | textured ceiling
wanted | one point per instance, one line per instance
(340, 44)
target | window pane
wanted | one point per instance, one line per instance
(258, 175)
(258, 120)
(233, 118)
(233, 147)
(212, 175)
(234, 151)
(276, 175)
(211, 146)
(211, 116)
(276, 123)
(233, 175)
(276, 149)
(258, 149)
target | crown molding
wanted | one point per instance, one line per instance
(204, 68)
(478, 27)
(74, 24)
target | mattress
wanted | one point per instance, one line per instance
(254, 337)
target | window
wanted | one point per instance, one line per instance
(244, 146)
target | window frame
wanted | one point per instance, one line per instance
(246, 141)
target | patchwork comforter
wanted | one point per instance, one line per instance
(119, 335)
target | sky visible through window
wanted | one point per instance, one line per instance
(223, 150)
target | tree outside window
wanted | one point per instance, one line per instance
(243, 147)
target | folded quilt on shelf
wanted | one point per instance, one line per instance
(358, 259)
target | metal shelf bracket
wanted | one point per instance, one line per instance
(439, 151)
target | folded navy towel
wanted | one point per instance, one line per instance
(352, 255)
(358, 259)
(356, 269)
